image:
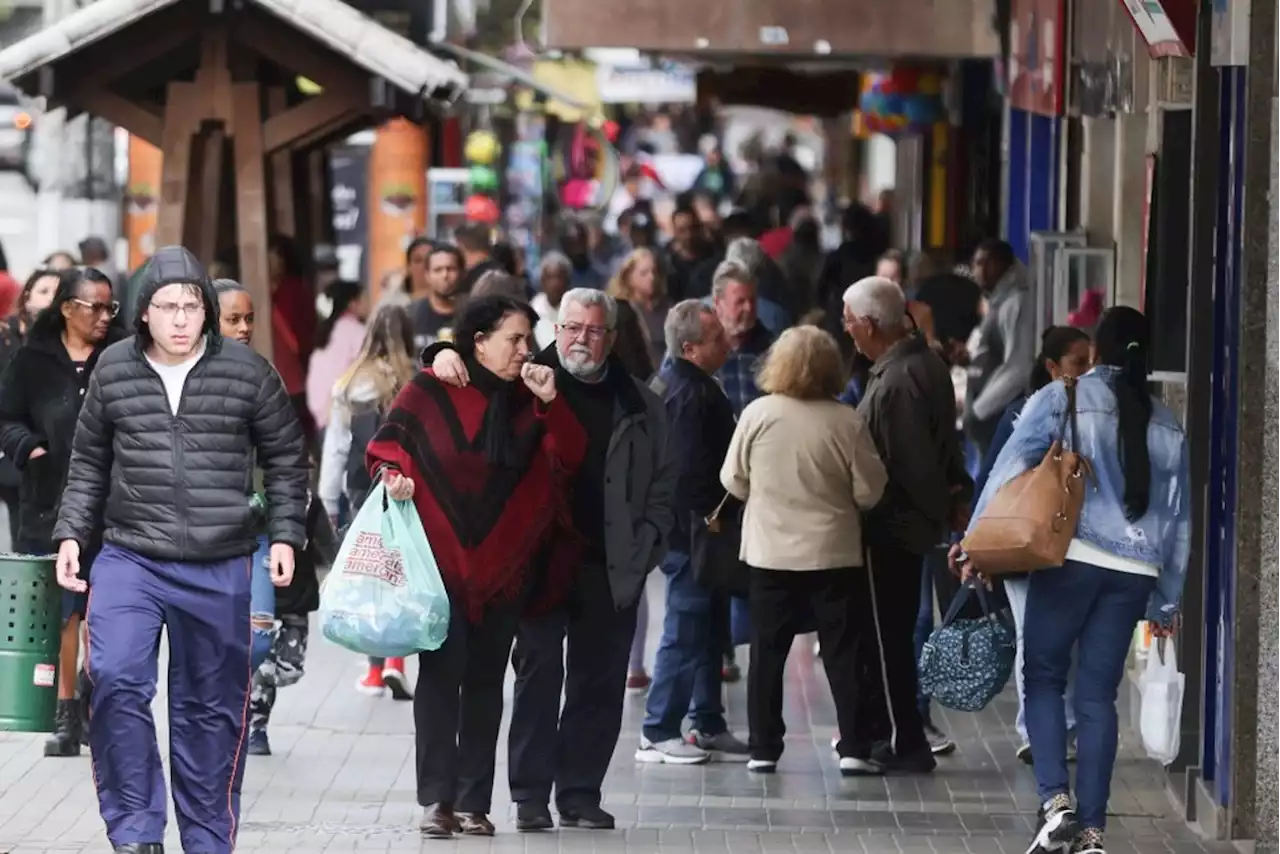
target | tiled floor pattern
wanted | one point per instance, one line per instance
(341, 779)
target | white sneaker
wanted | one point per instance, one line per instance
(762, 766)
(673, 751)
(853, 767)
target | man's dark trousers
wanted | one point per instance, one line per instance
(204, 608)
(570, 748)
(687, 671)
(897, 576)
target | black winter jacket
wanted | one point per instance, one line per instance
(40, 398)
(175, 487)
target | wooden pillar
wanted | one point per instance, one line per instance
(204, 233)
(396, 200)
(175, 177)
(284, 212)
(251, 205)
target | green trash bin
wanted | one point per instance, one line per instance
(30, 624)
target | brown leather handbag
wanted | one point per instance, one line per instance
(1029, 522)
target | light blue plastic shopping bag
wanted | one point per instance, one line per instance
(384, 596)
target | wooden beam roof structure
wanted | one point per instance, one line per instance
(214, 85)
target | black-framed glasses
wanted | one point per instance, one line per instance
(108, 308)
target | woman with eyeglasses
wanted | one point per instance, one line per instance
(40, 398)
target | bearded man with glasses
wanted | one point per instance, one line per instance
(160, 464)
(623, 508)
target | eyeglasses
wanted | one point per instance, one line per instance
(110, 309)
(576, 330)
(171, 309)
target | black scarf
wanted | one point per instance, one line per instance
(504, 401)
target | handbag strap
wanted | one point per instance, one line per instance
(715, 514)
(1069, 419)
(958, 602)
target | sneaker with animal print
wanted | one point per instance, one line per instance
(1058, 827)
(1088, 842)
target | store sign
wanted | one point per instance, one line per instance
(1167, 26)
(664, 83)
(1229, 44)
(1036, 66)
(348, 176)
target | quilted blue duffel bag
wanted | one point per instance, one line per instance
(966, 662)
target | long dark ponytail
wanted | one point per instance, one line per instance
(1123, 342)
(339, 296)
(1054, 345)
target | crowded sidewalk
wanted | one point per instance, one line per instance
(342, 779)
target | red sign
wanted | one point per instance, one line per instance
(1036, 66)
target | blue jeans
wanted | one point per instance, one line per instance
(1016, 590)
(686, 670)
(262, 604)
(1094, 610)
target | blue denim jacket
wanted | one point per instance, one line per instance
(1163, 535)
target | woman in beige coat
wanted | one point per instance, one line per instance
(806, 467)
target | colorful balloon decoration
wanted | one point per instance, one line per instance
(482, 148)
(481, 208)
(482, 151)
(901, 102)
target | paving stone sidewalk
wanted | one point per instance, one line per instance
(342, 779)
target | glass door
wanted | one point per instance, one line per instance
(1045, 246)
(1083, 282)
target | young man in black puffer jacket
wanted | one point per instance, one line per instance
(161, 462)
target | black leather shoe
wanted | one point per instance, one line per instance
(587, 818)
(532, 817)
(140, 848)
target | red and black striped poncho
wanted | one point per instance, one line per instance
(489, 525)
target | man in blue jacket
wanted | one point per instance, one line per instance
(686, 675)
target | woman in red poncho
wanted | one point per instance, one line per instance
(486, 466)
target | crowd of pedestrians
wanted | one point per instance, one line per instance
(562, 433)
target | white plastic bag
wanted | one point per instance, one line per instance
(1161, 687)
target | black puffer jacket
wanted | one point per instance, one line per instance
(174, 487)
(40, 397)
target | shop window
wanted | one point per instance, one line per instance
(1083, 282)
(1045, 247)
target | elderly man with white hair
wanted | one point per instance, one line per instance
(909, 406)
(623, 497)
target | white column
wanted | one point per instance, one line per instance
(1098, 165)
(1127, 199)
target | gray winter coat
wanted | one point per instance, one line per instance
(175, 487)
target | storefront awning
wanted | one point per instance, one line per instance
(332, 23)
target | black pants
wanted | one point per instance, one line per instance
(457, 708)
(897, 575)
(570, 748)
(782, 604)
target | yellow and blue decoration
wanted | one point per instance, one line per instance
(901, 102)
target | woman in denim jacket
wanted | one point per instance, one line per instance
(1064, 352)
(1127, 561)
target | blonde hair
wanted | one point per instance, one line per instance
(620, 285)
(803, 363)
(386, 359)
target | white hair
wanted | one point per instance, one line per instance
(684, 325)
(554, 261)
(746, 251)
(878, 299)
(590, 298)
(728, 272)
